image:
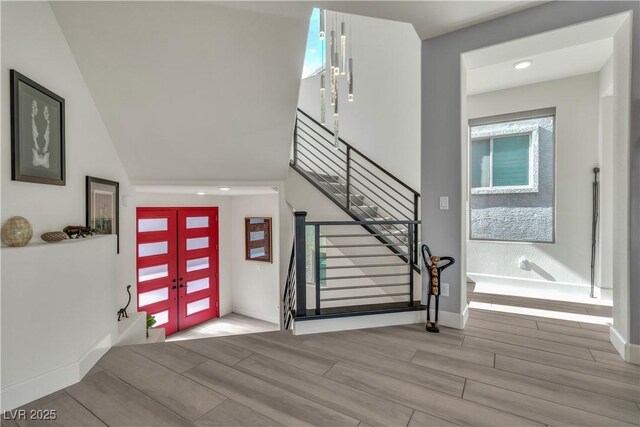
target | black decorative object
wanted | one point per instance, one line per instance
(594, 228)
(432, 263)
(78, 231)
(123, 311)
(37, 133)
(103, 206)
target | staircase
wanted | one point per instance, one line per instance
(363, 266)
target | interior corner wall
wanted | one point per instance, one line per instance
(256, 285)
(568, 258)
(383, 121)
(223, 203)
(442, 135)
(40, 51)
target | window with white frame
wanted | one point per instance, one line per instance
(501, 161)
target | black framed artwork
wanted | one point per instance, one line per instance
(103, 207)
(258, 239)
(37, 132)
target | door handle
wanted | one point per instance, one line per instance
(173, 288)
(181, 285)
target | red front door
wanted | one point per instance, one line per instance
(177, 265)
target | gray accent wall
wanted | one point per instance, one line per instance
(442, 170)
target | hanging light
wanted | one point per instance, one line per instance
(322, 99)
(322, 23)
(343, 48)
(350, 80)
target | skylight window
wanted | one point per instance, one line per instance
(315, 47)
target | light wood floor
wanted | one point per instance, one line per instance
(231, 324)
(501, 370)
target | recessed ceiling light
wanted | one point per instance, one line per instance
(224, 189)
(521, 65)
(201, 193)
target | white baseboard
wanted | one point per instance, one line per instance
(305, 327)
(16, 395)
(629, 352)
(267, 317)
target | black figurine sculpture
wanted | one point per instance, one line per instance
(432, 263)
(123, 311)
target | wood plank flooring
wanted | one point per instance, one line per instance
(503, 369)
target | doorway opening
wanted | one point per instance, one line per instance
(539, 120)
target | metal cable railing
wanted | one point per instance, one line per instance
(361, 187)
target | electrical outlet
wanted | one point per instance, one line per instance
(444, 203)
(444, 290)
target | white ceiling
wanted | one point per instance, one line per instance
(429, 18)
(570, 51)
(235, 190)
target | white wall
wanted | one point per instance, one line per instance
(40, 51)
(383, 121)
(58, 315)
(224, 229)
(576, 145)
(256, 285)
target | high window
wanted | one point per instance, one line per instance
(314, 53)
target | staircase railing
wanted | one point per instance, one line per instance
(362, 188)
(318, 264)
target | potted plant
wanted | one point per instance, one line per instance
(151, 320)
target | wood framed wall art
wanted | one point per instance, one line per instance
(103, 207)
(257, 232)
(37, 133)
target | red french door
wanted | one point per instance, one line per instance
(177, 265)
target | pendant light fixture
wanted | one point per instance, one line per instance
(339, 59)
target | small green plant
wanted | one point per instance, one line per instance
(151, 320)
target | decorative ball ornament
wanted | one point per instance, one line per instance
(17, 231)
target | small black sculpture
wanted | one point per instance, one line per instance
(123, 311)
(431, 262)
(78, 231)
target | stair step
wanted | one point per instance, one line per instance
(360, 310)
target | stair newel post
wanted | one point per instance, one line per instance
(301, 264)
(416, 202)
(295, 142)
(410, 244)
(348, 203)
(317, 269)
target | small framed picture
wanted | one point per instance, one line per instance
(103, 208)
(258, 239)
(37, 133)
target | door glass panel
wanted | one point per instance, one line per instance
(197, 285)
(197, 243)
(150, 249)
(153, 224)
(197, 264)
(152, 297)
(196, 306)
(161, 318)
(155, 272)
(197, 221)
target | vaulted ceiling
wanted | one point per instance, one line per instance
(207, 91)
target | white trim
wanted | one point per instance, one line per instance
(629, 352)
(16, 395)
(445, 318)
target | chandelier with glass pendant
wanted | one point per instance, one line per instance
(339, 65)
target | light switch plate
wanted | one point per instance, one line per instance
(444, 203)
(444, 290)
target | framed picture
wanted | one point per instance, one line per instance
(37, 132)
(103, 208)
(258, 239)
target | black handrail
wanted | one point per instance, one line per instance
(389, 174)
(369, 191)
